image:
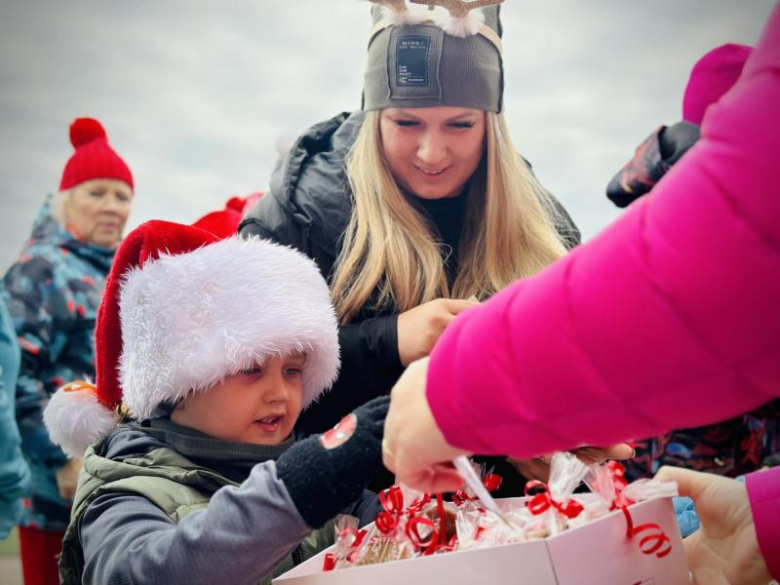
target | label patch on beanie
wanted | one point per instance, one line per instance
(411, 60)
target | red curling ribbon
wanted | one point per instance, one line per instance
(329, 563)
(392, 502)
(620, 482)
(542, 501)
(358, 534)
(429, 544)
(654, 542)
(460, 497)
(491, 481)
(386, 522)
(442, 519)
(417, 506)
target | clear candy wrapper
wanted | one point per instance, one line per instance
(348, 544)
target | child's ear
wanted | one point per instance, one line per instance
(179, 405)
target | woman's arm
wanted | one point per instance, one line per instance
(675, 303)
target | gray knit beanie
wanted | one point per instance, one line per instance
(419, 58)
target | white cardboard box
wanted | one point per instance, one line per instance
(598, 552)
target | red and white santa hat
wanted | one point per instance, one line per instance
(182, 310)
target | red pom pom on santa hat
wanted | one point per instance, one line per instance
(85, 130)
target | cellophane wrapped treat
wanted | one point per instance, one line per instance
(413, 524)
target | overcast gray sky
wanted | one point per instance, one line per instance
(194, 94)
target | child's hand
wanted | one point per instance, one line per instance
(326, 473)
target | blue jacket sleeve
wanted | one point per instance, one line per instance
(14, 472)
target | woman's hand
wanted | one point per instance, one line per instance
(725, 548)
(539, 467)
(414, 447)
(420, 328)
(416, 451)
(68, 478)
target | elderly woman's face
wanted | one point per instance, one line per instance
(96, 211)
(432, 152)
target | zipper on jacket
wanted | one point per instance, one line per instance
(297, 555)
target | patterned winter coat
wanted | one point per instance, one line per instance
(53, 292)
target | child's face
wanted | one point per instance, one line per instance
(257, 406)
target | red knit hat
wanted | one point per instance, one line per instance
(183, 309)
(94, 158)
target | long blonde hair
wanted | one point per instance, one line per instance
(509, 231)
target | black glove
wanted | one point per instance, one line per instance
(326, 473)
(676, 140)
(652, 159)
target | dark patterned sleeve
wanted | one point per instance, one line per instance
(43, 310)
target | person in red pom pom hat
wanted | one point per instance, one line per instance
(52, 292)
(96, 189)
(208, 350)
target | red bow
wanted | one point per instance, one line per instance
(329, 563)
(392, 502)
(543, 501)
(491, 481)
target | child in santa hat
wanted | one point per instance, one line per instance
(208, 350)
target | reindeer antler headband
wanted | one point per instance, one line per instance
(457, 8)
(461, 22)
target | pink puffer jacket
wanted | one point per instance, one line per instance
(669, 319)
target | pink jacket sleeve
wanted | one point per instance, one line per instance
(669, 319)
(764, 492)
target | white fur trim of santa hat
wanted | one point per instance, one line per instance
(189, 320)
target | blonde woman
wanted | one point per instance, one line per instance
(414, 204)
